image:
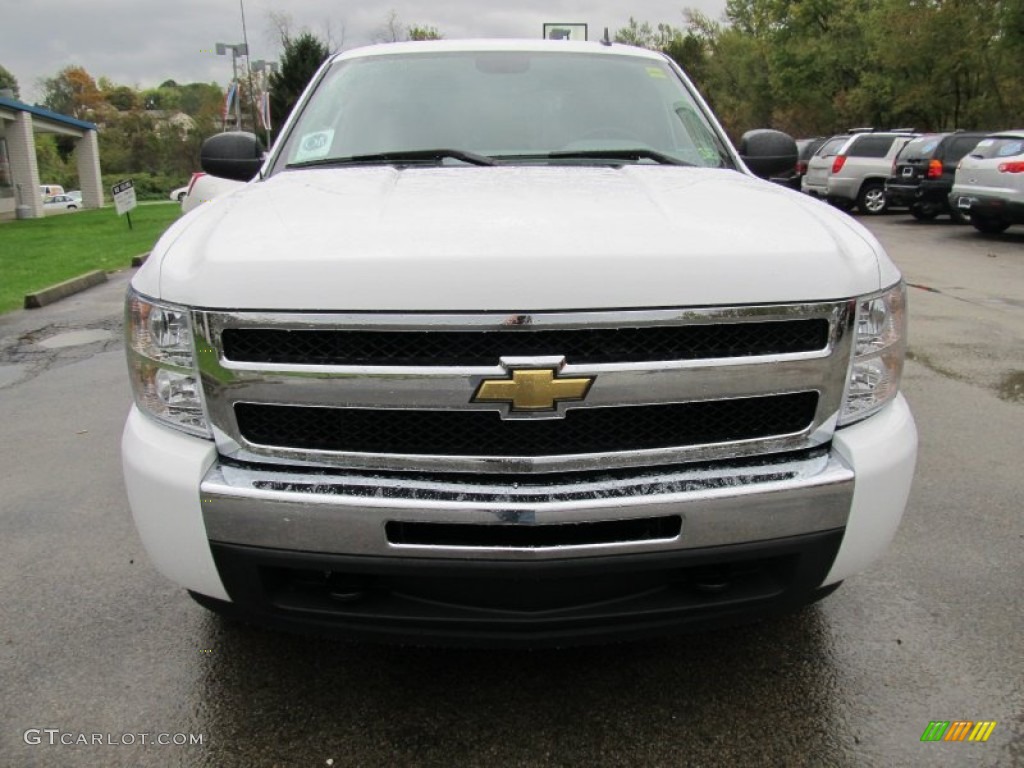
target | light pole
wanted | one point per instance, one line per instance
(237, 49)
(269, 67)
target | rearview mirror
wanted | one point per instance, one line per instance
(766, 151)
(234, 155)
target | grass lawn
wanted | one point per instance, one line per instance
(36, 253)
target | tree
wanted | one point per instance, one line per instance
(122, 98)
(416, 32)
(394, 31)
(72, 91)
(301, 58)
(391, 30)
(686, 47)
(8, 80)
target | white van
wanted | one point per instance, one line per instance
(50, 190)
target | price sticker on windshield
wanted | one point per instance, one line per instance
(314, 145)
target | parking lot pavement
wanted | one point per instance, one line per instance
(966, 299)
(94, 643)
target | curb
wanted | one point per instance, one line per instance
(138, 261)
(64, 289)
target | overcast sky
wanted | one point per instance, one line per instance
(144, 42)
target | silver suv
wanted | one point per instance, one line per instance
(989, 184)
(853, 171)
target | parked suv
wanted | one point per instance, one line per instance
(819, 164)
(850, 168)
(922, 176)
(859, 170)
(989, 184)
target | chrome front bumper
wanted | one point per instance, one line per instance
(347, 512)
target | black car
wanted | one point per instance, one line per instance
(922, 176)
(805, 148)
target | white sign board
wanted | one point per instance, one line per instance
(124, 196)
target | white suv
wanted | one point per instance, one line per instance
(857, 172)
(989, 184)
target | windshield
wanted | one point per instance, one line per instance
(509, 106)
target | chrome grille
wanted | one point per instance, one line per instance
(472, 348)
(738, 381)
(484, 433)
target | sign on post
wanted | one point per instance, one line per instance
(565, 31)
(124, 198)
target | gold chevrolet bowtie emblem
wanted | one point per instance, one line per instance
(532, 390)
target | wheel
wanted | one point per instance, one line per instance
(872, 200)
(989, 226)
(72, 207)
(923, 212)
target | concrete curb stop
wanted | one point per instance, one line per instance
(138, 261)
(64, 289)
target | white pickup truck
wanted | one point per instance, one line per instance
(506, 344)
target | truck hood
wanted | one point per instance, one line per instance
(511, 238)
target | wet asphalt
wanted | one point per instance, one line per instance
(95, 644)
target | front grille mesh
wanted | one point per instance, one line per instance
(485, 433)
(480, 348)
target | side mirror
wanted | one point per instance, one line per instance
(766, 151)
(234, 155)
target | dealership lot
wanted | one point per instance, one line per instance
(94, 642)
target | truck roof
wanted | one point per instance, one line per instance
(509, 44)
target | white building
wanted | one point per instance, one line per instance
(19, 171)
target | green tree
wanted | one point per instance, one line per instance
(53, 167)
(8, 80)
(122, 98)
(684, 46)
(416, 32)
(300, 59)
(200, 100)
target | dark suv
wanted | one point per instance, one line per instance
(922, 176)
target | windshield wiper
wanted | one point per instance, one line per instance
(617, 154)
(389, 158)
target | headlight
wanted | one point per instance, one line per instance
(161, 364)
(879, 346)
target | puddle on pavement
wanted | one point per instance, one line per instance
(1011, 388)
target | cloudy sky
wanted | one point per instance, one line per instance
(144, 42)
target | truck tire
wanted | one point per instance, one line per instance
(872, 201)
(923, 212)
(989, 226)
